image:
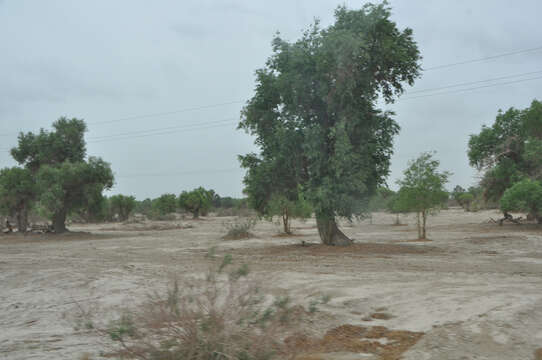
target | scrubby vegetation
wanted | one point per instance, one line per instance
(223, 315)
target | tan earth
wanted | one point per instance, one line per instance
(473, 292)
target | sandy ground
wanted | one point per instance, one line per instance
(475, 290)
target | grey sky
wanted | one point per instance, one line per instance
(107, 60)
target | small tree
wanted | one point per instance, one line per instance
(165, 204)
(17, 193)
(422, 189)
(465, 200)
(526, 196)
(280, 205)
(122, 206)
(197, 201)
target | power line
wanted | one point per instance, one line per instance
(162, 133)
(205, 171)
(484, 58)
(160, 129)
(143, 116)
(470, 89)
(473, 82)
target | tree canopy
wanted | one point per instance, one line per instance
(314, 113)
(66, 180)
(525, 195)
(197, 201)
(508, 150)
(122, 206)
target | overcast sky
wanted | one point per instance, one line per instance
(112, 62)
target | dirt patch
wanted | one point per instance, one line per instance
(538, 354)
(284, 235)
(484, 240)
(381, 316)
(354, 249)
(147, 227)
(378, 340)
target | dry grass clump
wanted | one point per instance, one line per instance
(239, 228)
(223, 316)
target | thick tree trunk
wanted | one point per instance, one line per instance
(22, 219)
(286, 221)
(330, 233)
(59, 221)
(424, 221)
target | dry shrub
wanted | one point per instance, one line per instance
(223, 316)
(239, 228)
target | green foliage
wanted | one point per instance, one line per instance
(17, 194)
(465, 200)
(165, 204)
(525, 196)
(314, 112)
(422, 189)
(280, 205)
(197, 201)
(66, 180)
(382, 199)
(69, 186)
(122, 206)
(239, 228)
(509, 150)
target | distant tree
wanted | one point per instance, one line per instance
(65, 179)
(68, 186)
(197, 201)
(422, 189)
(17, 194)
(525, 196)
(165, 204)
(315, 108)
(465, 200)
(144, 207)
(122, 206)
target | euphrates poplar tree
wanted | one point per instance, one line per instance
(314, 108)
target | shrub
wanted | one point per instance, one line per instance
(221, 316)
(239, 228)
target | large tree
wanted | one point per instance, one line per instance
(70, 185)
(66, 179)
(17, 194)
(315, 109)
(508, 150)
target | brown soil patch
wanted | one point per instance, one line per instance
(284, 235)
(484, 240)
(148, 227)
(354, 249)
(355, 339)
(538, 354)
(381, 316)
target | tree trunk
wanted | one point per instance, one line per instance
(330, 233)
(59, 221)
(286, 221)
(424, 221)
(397, 221)
(418, 225)
(22, 219)
(196, 214)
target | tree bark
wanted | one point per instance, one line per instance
(59, 221)
(419, 225)
(286, 221)
(329, 233)
(424, 221)
(22, 219)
